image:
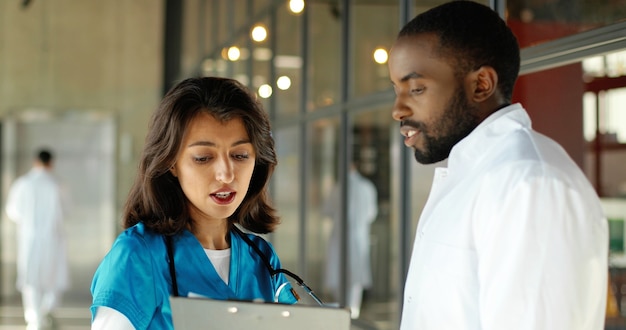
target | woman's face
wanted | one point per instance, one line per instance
(214, 166)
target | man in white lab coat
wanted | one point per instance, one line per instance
(362, 211)
(34, 203)
(513, 235)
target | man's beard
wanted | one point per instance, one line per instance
(457, 121)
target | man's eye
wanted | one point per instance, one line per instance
(418, 90)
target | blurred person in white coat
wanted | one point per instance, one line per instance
(34, 203)
(362, 211)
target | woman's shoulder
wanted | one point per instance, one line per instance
(255, 240)
(139, 232)
(253, 237)
(137, 239)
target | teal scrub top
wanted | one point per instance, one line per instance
(134, 278)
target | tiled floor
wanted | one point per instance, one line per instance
(65, 318)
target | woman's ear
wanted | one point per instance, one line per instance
(173, 171)
(484, 83)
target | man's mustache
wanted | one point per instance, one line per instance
(412, 123)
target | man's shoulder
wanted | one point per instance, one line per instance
(39, 178)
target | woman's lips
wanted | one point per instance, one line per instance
(223, 198)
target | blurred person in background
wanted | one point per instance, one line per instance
(362, 211)
(35, 204)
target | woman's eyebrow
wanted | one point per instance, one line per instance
(212, 144)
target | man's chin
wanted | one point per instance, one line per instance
(426, 158)
(421, 156)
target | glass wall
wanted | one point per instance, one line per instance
(370, 45)
(324, 54)
(372, 133)
(321, 177)
(285, 192)
(288, 62)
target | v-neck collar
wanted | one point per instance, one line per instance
(199, 271)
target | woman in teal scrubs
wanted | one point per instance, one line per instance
(201, 183)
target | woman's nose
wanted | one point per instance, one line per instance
(224, 172)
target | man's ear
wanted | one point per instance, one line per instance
(484, 83)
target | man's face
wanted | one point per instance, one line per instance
(431, 102)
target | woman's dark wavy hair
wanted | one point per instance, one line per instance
(156, 198)
(473, 35)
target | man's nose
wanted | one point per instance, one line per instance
(400, 110)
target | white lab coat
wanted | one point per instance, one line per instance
(512, 237)
(34, 202)
(362, 211)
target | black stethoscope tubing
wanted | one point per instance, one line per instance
(170, 252)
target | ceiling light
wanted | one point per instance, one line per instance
(265, 91)
(283, 82)
(380, 55)
(259, 33)
(296, 6)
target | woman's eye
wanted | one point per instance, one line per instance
(201, 159)
(241, 156)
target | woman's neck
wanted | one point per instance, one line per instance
(212, 235)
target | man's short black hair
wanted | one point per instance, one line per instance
(44, 156)
(472, 35)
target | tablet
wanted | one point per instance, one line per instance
(202, 313)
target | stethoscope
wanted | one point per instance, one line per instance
(307, 289)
